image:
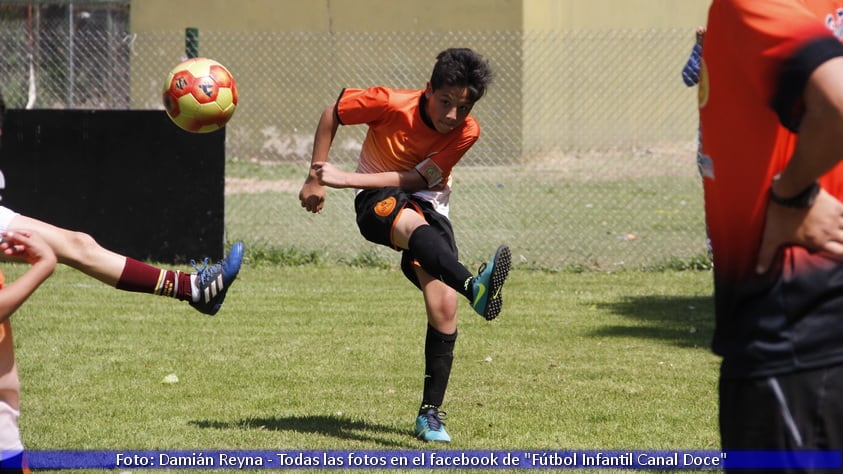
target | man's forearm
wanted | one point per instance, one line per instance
(819, 147)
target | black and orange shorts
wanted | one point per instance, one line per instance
(377, 210)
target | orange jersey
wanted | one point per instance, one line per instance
(399, 139)
(744, 139)
(757, 57)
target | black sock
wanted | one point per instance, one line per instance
(436, 258)
(438, 357)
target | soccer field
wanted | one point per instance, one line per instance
(330, 358)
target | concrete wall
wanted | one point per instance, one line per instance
(415, 15)
(327, 15)
(613, 14)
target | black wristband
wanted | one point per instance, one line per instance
(803, 200)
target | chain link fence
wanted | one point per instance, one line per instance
(586, 159)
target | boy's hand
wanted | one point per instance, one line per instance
(27, 246)
(330, 175)
(312, 195)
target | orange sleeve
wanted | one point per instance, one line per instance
(359, 106)
(768, 33)
(451, 155)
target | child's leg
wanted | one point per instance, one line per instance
(434, 255)
(434, 252)
(432, 246)
(205, 289)
(80, 251)
(389, 217)
(441, 306)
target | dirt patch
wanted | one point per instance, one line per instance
(667, 160)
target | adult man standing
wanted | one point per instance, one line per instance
(771, 113)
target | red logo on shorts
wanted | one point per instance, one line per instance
(385, 207)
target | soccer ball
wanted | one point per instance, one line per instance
(200, 95)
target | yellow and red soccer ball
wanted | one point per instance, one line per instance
(200, 95)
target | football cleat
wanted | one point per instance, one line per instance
(214, 281)
(488, 299)
(429, 425)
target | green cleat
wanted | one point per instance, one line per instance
(429, 425)
(488, 299)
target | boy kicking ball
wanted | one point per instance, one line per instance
(403, 182)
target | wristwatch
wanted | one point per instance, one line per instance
(803, 200)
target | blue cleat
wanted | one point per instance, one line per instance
(488, 299)
(429, 425)
(213, 281)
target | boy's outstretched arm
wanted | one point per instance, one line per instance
(30, 247)
(312, 194)
(329, 175)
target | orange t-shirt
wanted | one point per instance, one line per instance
(744, 140)
(398, 138)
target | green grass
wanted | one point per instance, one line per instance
(329, 357)
(554, 216)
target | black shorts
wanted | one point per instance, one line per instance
(377, 210)
(802, 410)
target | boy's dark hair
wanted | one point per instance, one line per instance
(461, 67)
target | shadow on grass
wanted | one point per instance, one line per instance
(334, 426)
(678, 320)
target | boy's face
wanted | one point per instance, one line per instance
(447, 107)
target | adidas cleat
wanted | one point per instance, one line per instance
(429, 426)
(213, 281)
(488, 299)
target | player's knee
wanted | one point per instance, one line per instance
(83, 245)
(444, 308)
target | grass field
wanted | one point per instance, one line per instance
(601, 211)
(330, 358)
